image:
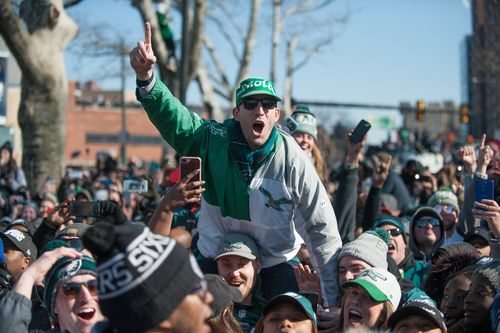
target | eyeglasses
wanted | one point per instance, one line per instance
(423, 223)
(201, 290)
(252, 103)
(395, 232)
(441, 208)
(72, 289)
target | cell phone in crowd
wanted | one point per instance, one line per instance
(484, 189)
(188, 164)
(135, 185)
(291, 124)
(84, 209)
(360, 131)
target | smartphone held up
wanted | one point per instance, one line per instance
(360, 131)
(189, 164)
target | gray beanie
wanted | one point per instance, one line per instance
(306, 121)
(370, 247)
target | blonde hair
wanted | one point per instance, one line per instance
(319, 163)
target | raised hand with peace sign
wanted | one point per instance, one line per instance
(142, 58)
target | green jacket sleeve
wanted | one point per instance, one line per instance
(182, 129)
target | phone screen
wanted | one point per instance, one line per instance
(82, 209)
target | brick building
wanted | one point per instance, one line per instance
(93, 124)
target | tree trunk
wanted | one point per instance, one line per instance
(287, 95)
(246, 57)
(276, 38)
(38, 45)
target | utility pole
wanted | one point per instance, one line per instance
(123, 51)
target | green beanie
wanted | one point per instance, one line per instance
(63, 270)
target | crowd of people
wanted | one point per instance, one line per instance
(267, 241)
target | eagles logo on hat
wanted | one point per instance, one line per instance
(239, 245)
(380, 284)
(22, 241)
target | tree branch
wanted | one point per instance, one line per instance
(229, 17)
(311, 51)
(197, 33)
(220, 25)
(15, 34)
(71, 3)
(216, 60)
(249, 42)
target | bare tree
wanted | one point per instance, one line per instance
(292, 20)
(224, 88)
(37, 32)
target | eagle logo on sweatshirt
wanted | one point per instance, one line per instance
(274, 204)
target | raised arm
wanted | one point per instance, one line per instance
(142, 58)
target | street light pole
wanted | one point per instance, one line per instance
(123, 132)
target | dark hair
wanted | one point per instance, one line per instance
(225, 322)
(259, 327)
(448, 261)
(385, 313)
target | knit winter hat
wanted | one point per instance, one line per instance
(63, 270)
(444, 197)
(305, 120)
(491, 271)
(255, 86)
(370, 247)
(142, 277)
(388, 219)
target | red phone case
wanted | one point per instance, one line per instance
(188, 164)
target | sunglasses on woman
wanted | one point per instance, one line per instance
(252, 103)
(72, 289)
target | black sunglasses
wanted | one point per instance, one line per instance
(252, 103)
(72, 289)
(395, 232)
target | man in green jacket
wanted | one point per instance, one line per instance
(258, 180)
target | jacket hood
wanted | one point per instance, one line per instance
(414, 248)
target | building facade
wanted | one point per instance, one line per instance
(482, 52)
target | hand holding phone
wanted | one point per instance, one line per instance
(189, 164)
(484, 189)
(360, 131)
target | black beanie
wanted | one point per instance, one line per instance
(142, 277)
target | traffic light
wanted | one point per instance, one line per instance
(463, 113)
(420, 110)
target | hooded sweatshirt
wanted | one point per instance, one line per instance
(414, 247)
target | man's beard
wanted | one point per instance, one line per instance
(449, 223)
